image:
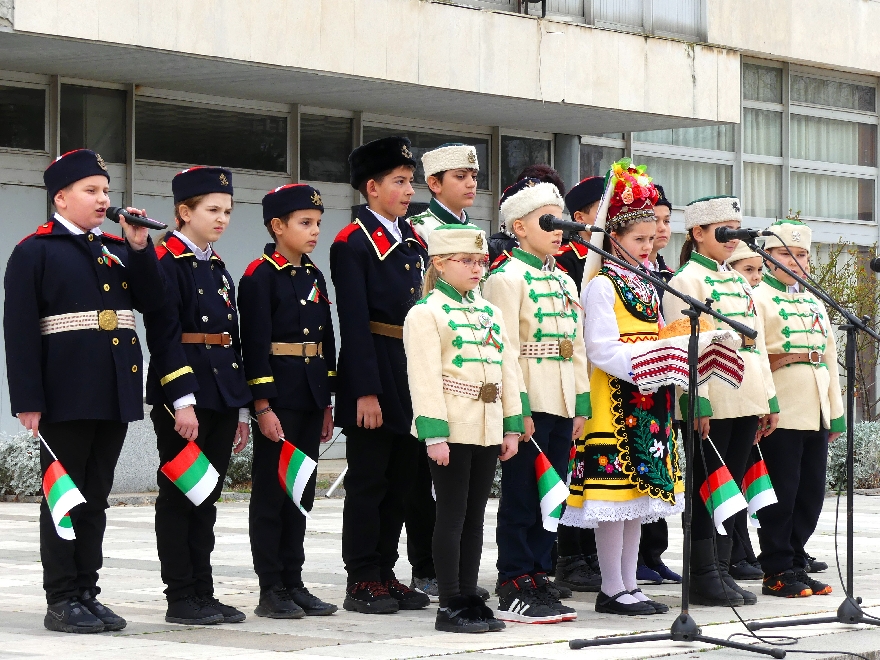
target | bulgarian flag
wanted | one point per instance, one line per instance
(61, 496)
(721, 495)
(294, 471)
(757, 488)
(551, 491)
(192, 473)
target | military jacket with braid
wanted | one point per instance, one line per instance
(809, 394)
(540, 304)
(435, 216)
(450, 336)
(702, 278)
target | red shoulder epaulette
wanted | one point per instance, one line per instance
(175, 246)
(342, 236)
(161, 251)
(504, 256)
(113, 237)
(252, 266)
(41, 231)
(380, 240)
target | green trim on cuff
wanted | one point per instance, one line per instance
(526, 408)
(514, 424)
(704, 407)
(429, 427)
(582, 405)
(774, 405)
(838, 425)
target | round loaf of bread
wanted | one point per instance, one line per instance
(683, 327)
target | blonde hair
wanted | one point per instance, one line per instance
(432, 274)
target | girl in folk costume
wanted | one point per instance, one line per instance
(803, 359)
(733, 420)
(465, 386)
(626, 466)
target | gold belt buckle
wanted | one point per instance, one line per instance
(489, 393)
(817, 359)
(107, 319)
(566, 348)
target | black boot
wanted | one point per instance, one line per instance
(576, 574)
(459, 617)
(277, 603)
(707, 586)
(725, 547)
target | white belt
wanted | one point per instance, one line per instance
(540, 349)
(108, 319)
(485, 392)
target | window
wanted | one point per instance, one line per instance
(22, 118)
(762, 132)
(206, 136)
(832, 141)
(838, 197)
(685, 180)
(596, 160)
(832, 93)
(762, 190)
(324, 145)
(93, 118)
(761, 83)
(517, 153)
(423, 141)
(701, 137)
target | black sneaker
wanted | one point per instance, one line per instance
(191, 610)
(230, 614)
(370, 598)
(548, 595)
(479, 608)
(815, 566)
(459, 617)
(519, 600)
(407, 599)
(745, 570)
(785, 585)
(108, 617)
(482, 593)
(71, 616)
(311, 604)
(576, 574)
(818, 588)
(277, 603)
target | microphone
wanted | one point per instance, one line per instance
(139, 220)
(875, 264)
(726, 234)
(549, 222)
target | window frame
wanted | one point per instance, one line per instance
(28, 81)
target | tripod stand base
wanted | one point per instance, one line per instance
(684, 629)
(849, 613)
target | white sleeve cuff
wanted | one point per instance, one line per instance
(184, 401)
(244, 415)
(434, 441)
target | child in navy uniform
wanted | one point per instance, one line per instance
(196, 372)
(290, 362)
(74, 361)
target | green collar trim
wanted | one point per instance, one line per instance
(443, 215)
(711, 264)
(527, 258)
(773, 282)
(451, 292)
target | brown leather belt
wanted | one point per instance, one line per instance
(306, 349)
(386, 329)
(779, 360)
(208, 339)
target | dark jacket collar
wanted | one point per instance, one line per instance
(378, 235)
(279, 261)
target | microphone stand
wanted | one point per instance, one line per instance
(684, 628)
(849, 611)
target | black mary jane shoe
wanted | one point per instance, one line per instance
(610, 605)
(659, 608)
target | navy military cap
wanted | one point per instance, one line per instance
(664, 200)
(201, 180)
(379, 156)
(71, 167)
(585, 193)
(292, 197)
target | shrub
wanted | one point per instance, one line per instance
(240, 466)
(20, 472)
(866, 458)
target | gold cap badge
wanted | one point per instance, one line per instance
(101, 162)
(472, 156)
(223, 180)
(478, 241)
(406, 152)
(316, 199)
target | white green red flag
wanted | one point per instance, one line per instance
(192, 473)
(294, 471)
(551, 491)
(758, 489)
(315, 293)
(61, 496)
(722, 497)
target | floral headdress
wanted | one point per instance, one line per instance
(632, 195)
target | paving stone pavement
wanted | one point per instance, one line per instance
(132, 587)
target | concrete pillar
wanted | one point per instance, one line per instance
(568, 158)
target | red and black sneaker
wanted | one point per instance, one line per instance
(785, 585)
(818, 588)
(407, 599)
(369, 598)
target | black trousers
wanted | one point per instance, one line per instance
(653, 543)
(184, 531)
(88, 451)
(462, 489)
(796, 462)
(381, 472)
(742, 542)
(524, 546)
(419, 521)
(277, 527)
(575, 541)
(733, 438)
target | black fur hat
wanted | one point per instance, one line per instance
(585, 193)
(379, 156)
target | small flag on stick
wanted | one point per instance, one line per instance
(757, 488)
(294, 471)
(551, 491)
(192, 473)
(61, 496)
(721, 495)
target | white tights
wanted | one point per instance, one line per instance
(617, 543)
